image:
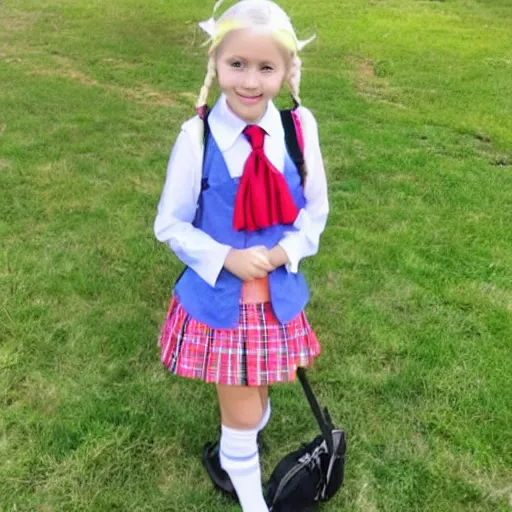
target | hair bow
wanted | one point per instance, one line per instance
(210, 26)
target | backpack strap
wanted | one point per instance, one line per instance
(205, 137)
(293, 135)
(294, 140)
(298, 129)
(322, 417)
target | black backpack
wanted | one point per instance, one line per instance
(313, 473)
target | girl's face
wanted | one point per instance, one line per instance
(251, 69)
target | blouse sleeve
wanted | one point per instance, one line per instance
(177, 209)
(311, 221)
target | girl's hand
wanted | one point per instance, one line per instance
(277, 257)
(248, 264)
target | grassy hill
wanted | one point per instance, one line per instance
(411, 291)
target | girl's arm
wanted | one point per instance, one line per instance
(177, 209)
(311, 220)
(176, 212)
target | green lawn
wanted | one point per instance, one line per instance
(411, 291)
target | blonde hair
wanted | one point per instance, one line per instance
(208, 80)
(294, 79)
(262, 16)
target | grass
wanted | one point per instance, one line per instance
(411, 292)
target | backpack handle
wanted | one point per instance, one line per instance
(322, 417)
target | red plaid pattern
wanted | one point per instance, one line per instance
(259, 352)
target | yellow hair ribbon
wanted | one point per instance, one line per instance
(283, 37)
(286, 39)
(222, 30)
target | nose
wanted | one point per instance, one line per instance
(250, 79)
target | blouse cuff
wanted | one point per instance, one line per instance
(289, 245)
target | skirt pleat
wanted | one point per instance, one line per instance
(260, 351)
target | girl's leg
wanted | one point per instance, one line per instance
(265, 405)
(263, 396)
(240, 406)
(241, 411)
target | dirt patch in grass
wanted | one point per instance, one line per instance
(139, 91)
(14, 21)
(17, 53)
(365, 70)
(143, 93)
(494, 486)
(502, 161)
(371, 86)
(364, 499)
(119, 63)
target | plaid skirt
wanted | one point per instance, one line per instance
(260, 351)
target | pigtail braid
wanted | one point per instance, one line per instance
(208, 80)
(294, 85)
(294, 79)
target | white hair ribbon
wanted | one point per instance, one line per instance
(209, 25)
(305, 42)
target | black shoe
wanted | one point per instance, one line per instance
(211, 462)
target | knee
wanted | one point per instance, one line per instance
(242, 420)
(241, 407)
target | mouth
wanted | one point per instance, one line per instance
(249, 100)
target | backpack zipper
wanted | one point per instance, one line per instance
(295, 470)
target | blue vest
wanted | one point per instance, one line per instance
(218, 306)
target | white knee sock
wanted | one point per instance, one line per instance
(240, 459)
(266, 417)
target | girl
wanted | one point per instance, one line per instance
(241, 216)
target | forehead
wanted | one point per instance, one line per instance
(252, 46)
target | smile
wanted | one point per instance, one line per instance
(250, 100)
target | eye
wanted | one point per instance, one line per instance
(236, 64)
(267, 68)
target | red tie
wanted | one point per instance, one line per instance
(263, 198)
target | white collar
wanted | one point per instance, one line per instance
(226, 126)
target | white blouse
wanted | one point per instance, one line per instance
(178, 202)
